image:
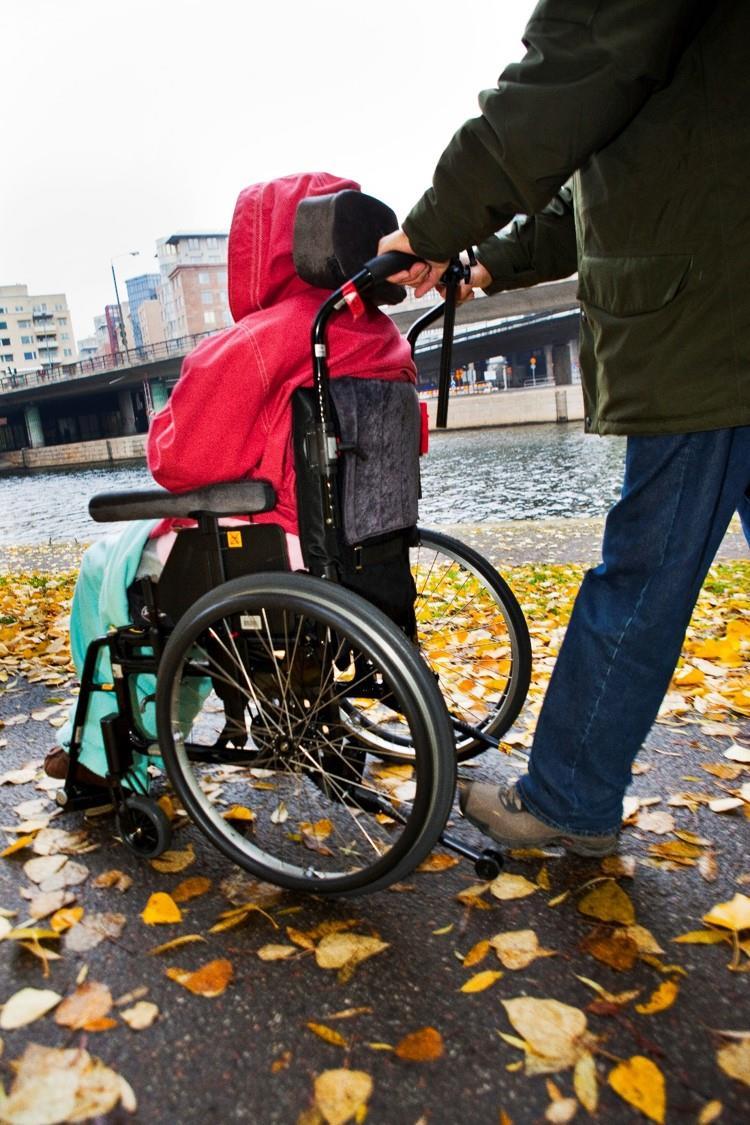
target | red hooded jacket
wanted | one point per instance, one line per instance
(230, 415)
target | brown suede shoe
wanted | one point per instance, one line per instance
(57, 762)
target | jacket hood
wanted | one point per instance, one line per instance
(260, 264)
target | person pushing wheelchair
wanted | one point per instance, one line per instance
(644, 106)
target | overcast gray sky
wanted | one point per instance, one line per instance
(123, 123)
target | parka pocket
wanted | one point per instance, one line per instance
(631, 286)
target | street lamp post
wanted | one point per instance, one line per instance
(131, 254)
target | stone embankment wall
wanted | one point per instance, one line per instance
(511, 408)
(105, 452)
(466, 412)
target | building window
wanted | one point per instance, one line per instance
(7, 358)
(27, 339)
(29, 355)
(6, 341)
(211, 242)
(67, 351)
(209, 317)
(24, 324)
(207, 297)
(193, 244)
(3, 309)
(3, 324)
(20, 308)
(62, 320)
(204, 279)
(64, 335)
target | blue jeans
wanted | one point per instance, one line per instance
(629, 622)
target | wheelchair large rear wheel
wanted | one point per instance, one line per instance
(254, 735)
(473, 634)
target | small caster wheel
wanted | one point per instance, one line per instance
(61, 798)
(489, 864)
(144, 827)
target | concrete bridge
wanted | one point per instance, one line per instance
(109, 397)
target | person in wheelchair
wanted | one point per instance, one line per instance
(230, 417)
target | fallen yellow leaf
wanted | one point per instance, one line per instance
(340, 1095)
(161, 909)
(328, 1034)
(734, 1060)
(639, 1082)
(480, 981)
(733, 915)
(661, 998)
(608, 902)
(507, 887)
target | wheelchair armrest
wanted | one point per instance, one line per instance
(235, 498)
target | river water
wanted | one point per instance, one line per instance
(469, 476)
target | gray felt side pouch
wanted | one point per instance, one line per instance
(380, 482)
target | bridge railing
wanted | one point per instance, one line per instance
(93, 365)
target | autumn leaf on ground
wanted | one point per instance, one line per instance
(115, 879)
(612, 947)
(52, 1085)
(170, 862)
(639, 1082)
(733, 915)
(92, 930)
(734, 1060)
(476, 954)
(273, 952)
(341, 1095)
(516, 949)
(191, 888)
(424, 1045)
(175, 943)
(26, 1006)
(210, 980)
(90, 1003)
(555, 1034)
(161, 909)
(507, 887)
(140, 1016)
(608, 902)
(481, 981)
(328, 1034)
(661, 998)
(345, 951)
(438, 861)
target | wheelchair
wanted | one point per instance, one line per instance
(310, 730)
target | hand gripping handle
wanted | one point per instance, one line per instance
(386, 264)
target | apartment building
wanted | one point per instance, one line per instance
(193, 287)
(35, 331)
(142, 289)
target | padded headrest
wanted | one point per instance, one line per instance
(334, 235)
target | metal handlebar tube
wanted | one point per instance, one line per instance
(452, 278)
(425, 320)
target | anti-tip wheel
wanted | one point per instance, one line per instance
(489, 864)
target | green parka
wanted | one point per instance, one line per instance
(646, 105)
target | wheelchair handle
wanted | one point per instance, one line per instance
(393, 261)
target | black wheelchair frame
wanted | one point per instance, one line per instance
(217, 583)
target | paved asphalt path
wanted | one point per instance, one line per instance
(248, 1056)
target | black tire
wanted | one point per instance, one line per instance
(458, 590)
(144, 827)
(289, 648)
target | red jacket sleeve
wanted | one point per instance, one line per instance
(204, 434)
